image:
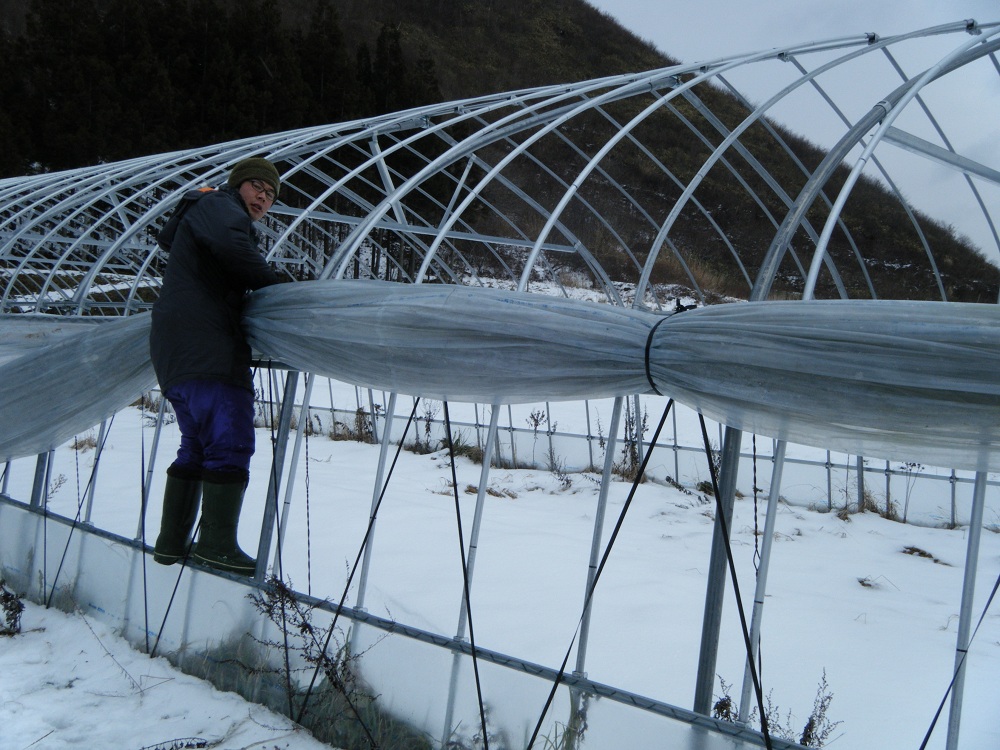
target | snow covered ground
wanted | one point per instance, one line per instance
(870, 604)
(67, 681)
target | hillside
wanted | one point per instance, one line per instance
(105, 80)
(486, 47)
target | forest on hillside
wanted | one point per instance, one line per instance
(135, 78)
(90, 81)
(102, 80)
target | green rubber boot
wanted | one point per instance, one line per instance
(220, 515)
(180, 508)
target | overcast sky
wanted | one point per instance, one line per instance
(707, 29)
(968, 105)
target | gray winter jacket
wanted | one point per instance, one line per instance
(212, 262)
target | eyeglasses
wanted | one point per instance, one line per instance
(262, 187)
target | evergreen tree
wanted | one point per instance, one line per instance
(100, 80)
(365, 77)
(71, 101)
(326, 68)
(13, 134)
(389, 71)
(147, 117)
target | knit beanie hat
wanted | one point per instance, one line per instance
(255, 168)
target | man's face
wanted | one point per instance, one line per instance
(258, 197)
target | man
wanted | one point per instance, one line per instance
(202, 361)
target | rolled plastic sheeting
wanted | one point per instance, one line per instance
(452, 343)
(904, 380)
(60, 376)
(913, 381)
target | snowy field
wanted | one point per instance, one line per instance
(869, 603)
(67, 681)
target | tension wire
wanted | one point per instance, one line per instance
(354, 568)
(721, 516)
(79, 509)
(597, 575)
(278, 545)
(142, 513)
(958, 667)
(465, 577)
(649, 345)
(756, 528)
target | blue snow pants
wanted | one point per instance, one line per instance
(217, 431)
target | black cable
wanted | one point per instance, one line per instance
(597, 575)
(649, 345)
(184, 560)
(756, 551)
(354, 568)
(173, 593)
(958, 667)
(142, 514)
(277, 525)
(274, 468)
(76, 519)
(308, 429)
(736, 584)
(76, 467)
(465, 577)
(49, 457)
(142, 526)
(756, 511)
(177, 581)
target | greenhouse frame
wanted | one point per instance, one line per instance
(530, 248)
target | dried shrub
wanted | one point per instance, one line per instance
(12, 607)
